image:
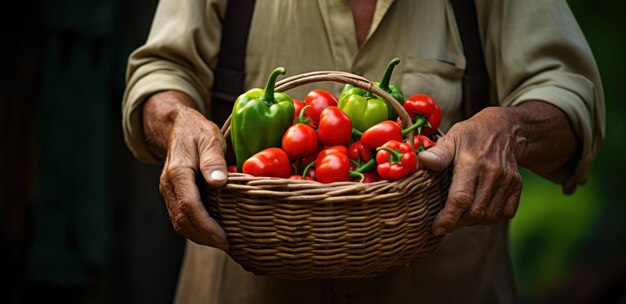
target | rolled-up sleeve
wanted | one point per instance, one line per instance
(181, 49)
(535, 50)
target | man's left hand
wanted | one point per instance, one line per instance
(486, 184)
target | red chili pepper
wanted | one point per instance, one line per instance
(231, 169)
(357, 152)
(335, 127)
(305, 161)
(300, 140)
(299, 177)
(395, 160)
(334, 167)
(385, 131)
(422, 142)
(272, 162)
(423, 105)
(318, 100)
(310, 173)
(381, 133)
(369, 177)
(297, 105)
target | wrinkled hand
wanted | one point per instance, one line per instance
(486, 184)
(194, 145)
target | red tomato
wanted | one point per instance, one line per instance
(335, 127)
(272, 162)
(299, 140)
(333, 167)
(318, 100)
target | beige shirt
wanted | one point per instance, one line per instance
(533, 50)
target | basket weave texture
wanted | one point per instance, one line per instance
(304, 229)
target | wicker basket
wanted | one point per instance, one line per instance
(304, 229)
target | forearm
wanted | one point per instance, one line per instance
(545, 140)
(159, 113)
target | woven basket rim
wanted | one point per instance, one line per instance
(312, 192)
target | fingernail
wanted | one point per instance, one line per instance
(429, 155)
(439, 231)
(218, 175)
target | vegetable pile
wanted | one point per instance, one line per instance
(356, 137)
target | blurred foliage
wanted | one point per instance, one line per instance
(553, 236)
(546, 231)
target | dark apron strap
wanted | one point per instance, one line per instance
(476, 78)
(229, 75)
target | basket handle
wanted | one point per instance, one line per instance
(340, 77)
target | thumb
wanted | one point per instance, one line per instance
(212, 162)
(440, 156)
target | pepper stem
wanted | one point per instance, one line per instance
(356, 133)
(268, 97)
(367, 166)
(395, 157)
(301, 118)
(359, 175)
(384, 82)
(420, 122)
(306, 169)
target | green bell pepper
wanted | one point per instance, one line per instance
(393, 90)
(363, 108)
(366, 109)
(259, 119)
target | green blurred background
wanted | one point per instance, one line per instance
(82, 221)
(573, 248)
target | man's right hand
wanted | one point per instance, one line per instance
(189, 143)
